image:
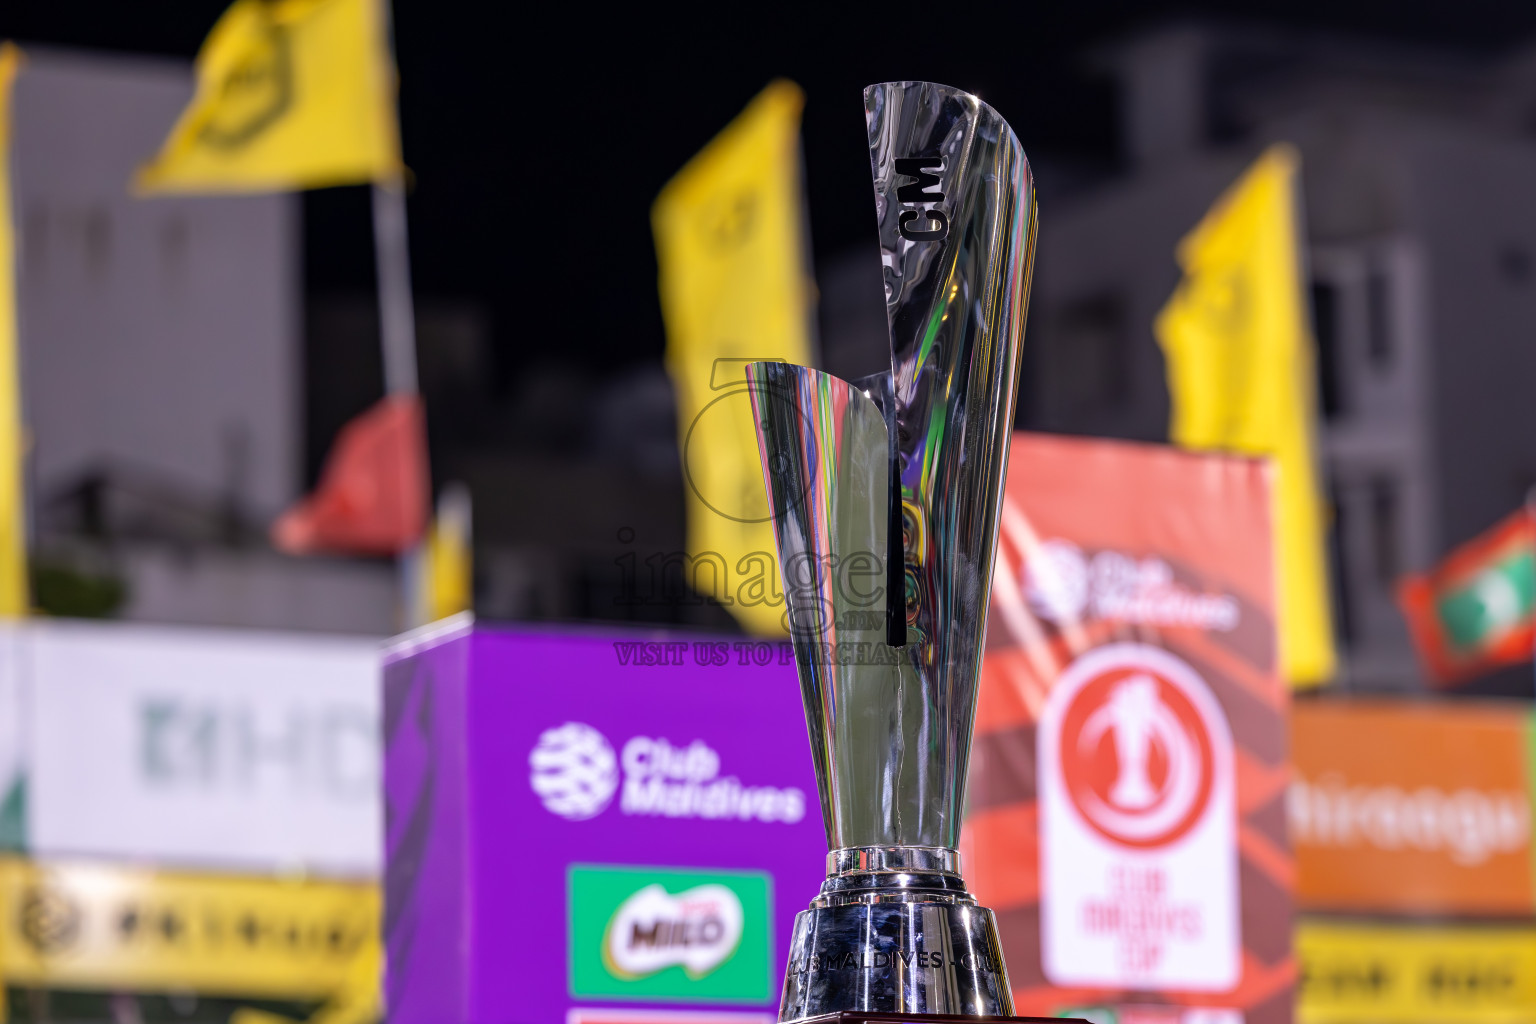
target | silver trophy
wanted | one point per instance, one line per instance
(886, 495)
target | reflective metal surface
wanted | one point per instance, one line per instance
(914, 957)
(886, 495)
(956, 313)
(824, 444)
(892, 874)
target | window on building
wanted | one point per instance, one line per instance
(1386, 527)
(1515, 263)
(1327, 331)
(1085, 357)
(1378, 302)
(1343, 617)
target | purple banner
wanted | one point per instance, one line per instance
(594, 829)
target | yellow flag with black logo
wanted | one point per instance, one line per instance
(735, 289)
(291, 94)
(1240, 372)
(13, 534)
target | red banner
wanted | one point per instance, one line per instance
(1127, 816)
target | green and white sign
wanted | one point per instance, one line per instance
(675, 934)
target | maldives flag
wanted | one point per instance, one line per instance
(1476, 610)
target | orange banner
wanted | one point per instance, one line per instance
(1417, 807)
(1128, 780)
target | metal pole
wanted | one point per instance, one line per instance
(397, 332)
(397, 314)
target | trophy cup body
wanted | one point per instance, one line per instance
(886, 495)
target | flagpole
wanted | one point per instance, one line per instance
(397, 314)
(397, 333)
(397, 326)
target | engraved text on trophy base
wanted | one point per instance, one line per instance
(869, 959)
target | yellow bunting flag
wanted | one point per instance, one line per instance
(448, 558)
(291, 94)
(734, 289)
(13, 534)
(1240, 372)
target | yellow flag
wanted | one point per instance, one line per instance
(291, 94)
(13, 534)
(734, 289)
(449, 583)
(1240, 372)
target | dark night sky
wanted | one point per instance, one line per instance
(539, 139)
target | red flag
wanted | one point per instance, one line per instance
(373, 493)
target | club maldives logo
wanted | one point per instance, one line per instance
(1063, 584)
(574, 772)
(670, 933)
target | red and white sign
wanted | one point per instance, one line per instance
(1138, 826)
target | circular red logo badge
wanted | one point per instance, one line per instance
(1136, 754)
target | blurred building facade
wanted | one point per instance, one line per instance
(1417, 170)
(161, 365)
(182, 389)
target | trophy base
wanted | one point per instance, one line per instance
(894, 932)
(907, 957)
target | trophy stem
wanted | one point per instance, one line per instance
(892, 874)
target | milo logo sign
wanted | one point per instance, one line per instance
(697, 929)
(657, 933)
